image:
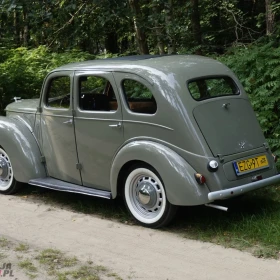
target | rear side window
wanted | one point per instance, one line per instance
(204, 88)
(138, 97)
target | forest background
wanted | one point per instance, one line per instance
(37, 36)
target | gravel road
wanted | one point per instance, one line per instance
(132, 252)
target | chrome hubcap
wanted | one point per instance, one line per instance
(147, 194)
(4, 169)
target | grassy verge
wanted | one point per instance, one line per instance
(48, 264)
(252, 222)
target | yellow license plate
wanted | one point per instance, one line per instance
(250, 164)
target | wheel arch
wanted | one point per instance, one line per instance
(123, 172)
(177, 174)
(22, 148)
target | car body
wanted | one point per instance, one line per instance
(163, 131)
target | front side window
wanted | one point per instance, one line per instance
(58, 95)
(209, 87)
(96, 94)
(138, 97)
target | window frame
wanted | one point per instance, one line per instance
(126, 99)
(104, 89)
(213, 77)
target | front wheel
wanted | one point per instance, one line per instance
(8, 184)
(145, 197)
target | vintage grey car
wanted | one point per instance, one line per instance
(162, 131)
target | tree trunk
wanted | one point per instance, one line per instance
(169, 22)
(269, 17)
(140, 34)
(16, 29)
(158, 30)
(25, 28)
(195, 20)
(111, 42)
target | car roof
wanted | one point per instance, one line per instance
(190, 66)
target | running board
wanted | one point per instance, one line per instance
(58, 185)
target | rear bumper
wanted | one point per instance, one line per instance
(228, 193)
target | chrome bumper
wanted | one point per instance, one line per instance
(228, 193)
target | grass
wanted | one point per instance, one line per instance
(29, 268)
(55, 259)
(22, 247)
(252, 222)
(4, 242)
(27, 265)
(52, 264)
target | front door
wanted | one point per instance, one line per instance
(98, 126)
(58, 138)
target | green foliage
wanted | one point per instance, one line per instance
(22, 71)
(258, 68)
(136, 90)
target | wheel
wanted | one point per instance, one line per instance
(145, 197)
(8, 184)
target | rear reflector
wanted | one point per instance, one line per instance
(257, 178)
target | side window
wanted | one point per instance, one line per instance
(58, 95)
(138, 97)
(96, 94)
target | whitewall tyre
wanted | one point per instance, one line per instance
(8, 184)
(145, 197)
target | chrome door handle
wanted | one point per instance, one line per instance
(118, 125)
(68, 122)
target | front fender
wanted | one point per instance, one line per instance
(177, 175)
(21, 146)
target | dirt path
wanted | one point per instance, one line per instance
(132, 252)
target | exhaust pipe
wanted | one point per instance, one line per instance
(219, 207)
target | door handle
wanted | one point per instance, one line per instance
(118, 125)
(68, 122)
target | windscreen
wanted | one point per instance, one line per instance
(210, 87)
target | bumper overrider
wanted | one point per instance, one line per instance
(232, 192)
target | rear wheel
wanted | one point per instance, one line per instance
(145, 197)
(8, 184)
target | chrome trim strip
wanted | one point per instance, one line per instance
(89, 192)
(148, 123)
(59, 116)
(23, 112)
(124, 121)
(228, 193)
(98, 119)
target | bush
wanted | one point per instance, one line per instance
(22, 71)
(258, 68)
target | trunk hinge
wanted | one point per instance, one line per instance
(79, 166)
(43, 159)
(221, 158)
(39, 109)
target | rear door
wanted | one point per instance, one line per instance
(98, 126)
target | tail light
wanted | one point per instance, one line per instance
(200, 179)
(275, 158)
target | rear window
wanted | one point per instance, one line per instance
(209, 87)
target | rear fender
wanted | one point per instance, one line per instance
(177, 175)
(22, 148)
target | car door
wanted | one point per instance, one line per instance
(58, 139)
(98, 126)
